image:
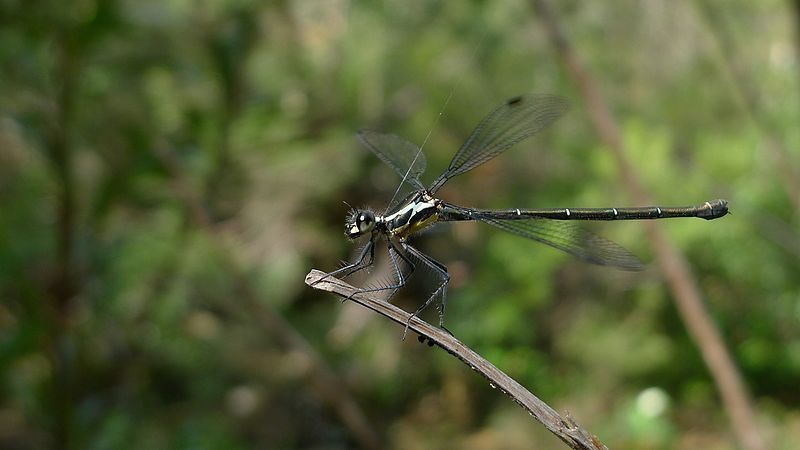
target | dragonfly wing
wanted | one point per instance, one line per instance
(513, 121)
(570, 237)
(402, 156)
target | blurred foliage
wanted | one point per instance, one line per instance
(170, 170)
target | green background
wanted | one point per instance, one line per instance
(170, 170)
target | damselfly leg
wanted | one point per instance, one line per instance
(364, 260)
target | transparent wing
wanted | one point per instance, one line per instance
(397, 153)
(511, 122)
(570, 237)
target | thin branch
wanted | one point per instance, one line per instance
(682, 283)
(750, 101)
(565, 428)
(66, 282)
(796, 25)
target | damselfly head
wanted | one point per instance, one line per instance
(359, 222)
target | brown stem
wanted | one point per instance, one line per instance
(565, 428)
(64, 284)
(681, 281)
(796, 8)
(749, 100)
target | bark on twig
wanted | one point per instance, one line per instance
(66, 283)
(565, 428)
(749, 99)
(682, 283)
(796, 23)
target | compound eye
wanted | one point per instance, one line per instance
(365, 221)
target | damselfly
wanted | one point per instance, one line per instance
(508, 124)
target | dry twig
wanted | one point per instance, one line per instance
(565, 428)
(676, 270)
